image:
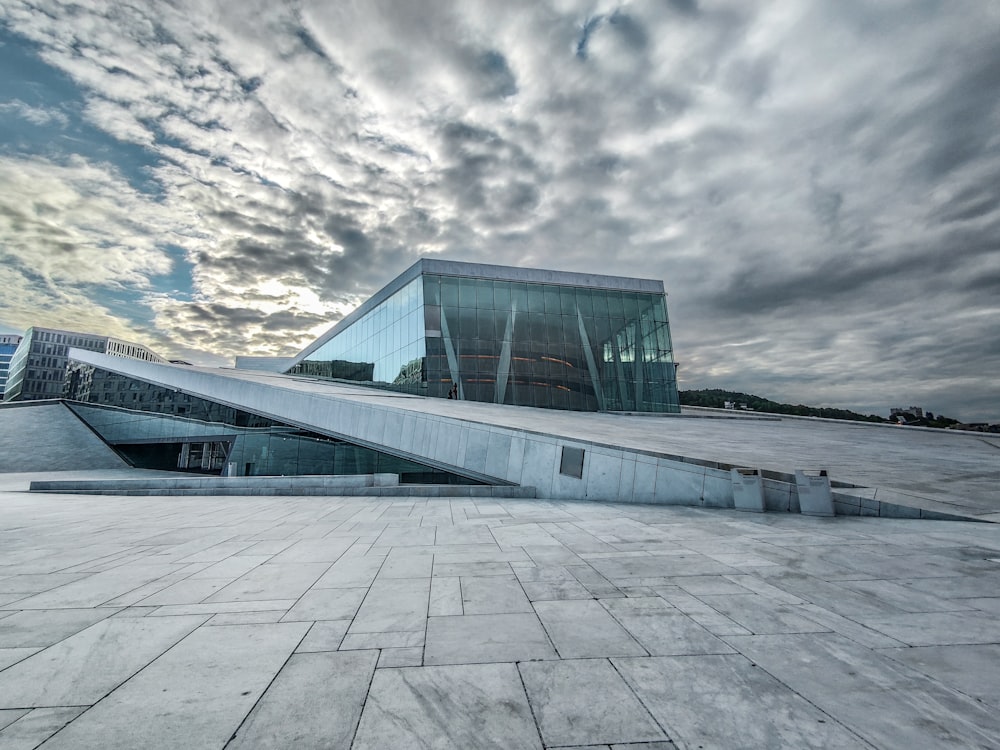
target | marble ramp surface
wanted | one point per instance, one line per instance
(334, 622)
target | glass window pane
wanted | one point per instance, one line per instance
(432, 317)
(466, 323)
(536, 298)
(500, 320)
(615, 309)
(536, 323)
(485, 327)
(552, 299)
(659, 311)
(467, 292)
(484, 294)
(519, 297)
(631, 304)
(567, 301)
(600, 299)
(449, 292)
(501, 295)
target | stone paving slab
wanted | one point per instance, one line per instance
(87, 666)
(585, 700)
(467, 622)
(9, 656)
(314, 702)
(581, 629)
(327, 604)
(42, 628)
(727, 701)
(888, 704)
(465, 707)
(474, 639)
(662, 629)
(972, 670)
(36, 726)
(195, 695)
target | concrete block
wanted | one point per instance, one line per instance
(541, 461)
(392, 433)
(779, 496)
(446, 447)
(814, 494)
(407, 432)
(603, 475)
(891, 510)
(626, 482)
(644, 484)
(498, 454)
(846, 498)
(678, 484)
(748, 489)
(515, 459)
(476, 449)
(463, 443)
(375, 425)
(846, 509)
(716, 489)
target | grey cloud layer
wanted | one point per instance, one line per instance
(818, 179)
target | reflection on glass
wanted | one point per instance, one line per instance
(508, 342)
(154, 427)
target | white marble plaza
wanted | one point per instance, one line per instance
(326, 622)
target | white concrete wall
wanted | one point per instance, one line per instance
(483, 451)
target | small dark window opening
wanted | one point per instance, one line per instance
(572, 462)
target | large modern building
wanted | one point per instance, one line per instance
(369, 398)
(8, 345)
(484, 333)
(38, 367)
(517, 336)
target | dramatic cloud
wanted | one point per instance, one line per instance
(816, 182)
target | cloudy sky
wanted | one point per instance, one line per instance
(816, 182)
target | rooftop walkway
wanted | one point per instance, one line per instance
(683, 459)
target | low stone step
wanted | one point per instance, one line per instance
(230, 487)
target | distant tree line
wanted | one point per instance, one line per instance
(716, 398)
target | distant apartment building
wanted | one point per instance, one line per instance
(8, 345)
(38, 367)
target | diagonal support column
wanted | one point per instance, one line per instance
(588, 353)
(449, 350)
(503, 366)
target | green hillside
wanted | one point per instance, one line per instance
(717, 398)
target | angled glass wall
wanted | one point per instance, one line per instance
(559, 347)
(384, 347)
(580, 346)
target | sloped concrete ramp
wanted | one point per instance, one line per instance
(874, 471)
(47, 436)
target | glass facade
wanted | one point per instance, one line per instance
(384, 346)
(549, 345)
(8, 345)
(154, 427)
(38, 369)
